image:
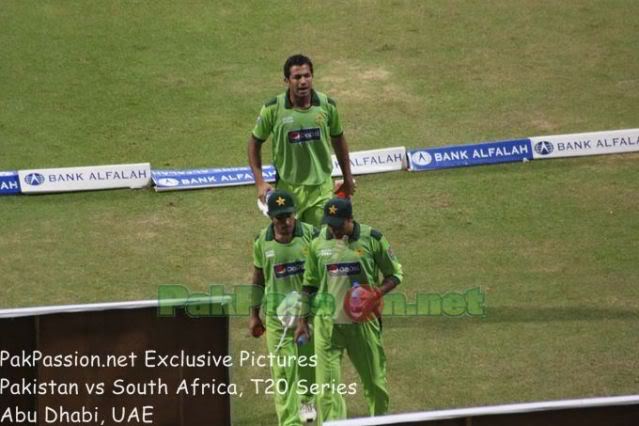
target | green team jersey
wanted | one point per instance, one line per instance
(301, 137)
(333, 266)
(282, 264)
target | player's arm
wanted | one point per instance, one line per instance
(256, 327)
(388, 284)
(340, 147)
(255, 162)
(302, 323)
(257, 291)
(341, 152)
(310, 287)
(387, 263)
(261, 131)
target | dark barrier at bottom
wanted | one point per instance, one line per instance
(608, 411)
(600, 416)
(114, 366)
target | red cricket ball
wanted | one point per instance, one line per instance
(363, 303)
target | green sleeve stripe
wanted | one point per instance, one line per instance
(394, 279)
(271, 102)
(259, 140)
(331, 101)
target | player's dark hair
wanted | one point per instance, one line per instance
(298, 60)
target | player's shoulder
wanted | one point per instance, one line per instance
(270, 102)
(265, 234)
(320, 236)
(273, 101)
(376, 234)
(309, 230)
(370, 232)
(325, 99)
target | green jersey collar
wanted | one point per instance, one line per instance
(315, 100)
(354, 236)
(297, 232)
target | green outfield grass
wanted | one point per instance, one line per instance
(553, 244)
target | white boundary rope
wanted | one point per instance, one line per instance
(489, 410)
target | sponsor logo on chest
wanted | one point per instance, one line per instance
(343, 269)
(283, 270)
(304, 135)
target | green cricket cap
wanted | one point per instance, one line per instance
(336, 211)
(280, 203)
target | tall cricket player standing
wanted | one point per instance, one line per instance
(348, 254)
(302, 122)
(279, 254)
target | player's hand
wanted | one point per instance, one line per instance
(378, 295)
(347, 188)
(364, 303)
(302, 330)
(262, 189)
(256, 327)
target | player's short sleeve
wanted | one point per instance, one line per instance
(264, 124)
(311, 268)
(258, 253)
(334, 122)
(386, 260)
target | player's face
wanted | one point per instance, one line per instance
(340, 231)
(284, 224)
(300, 82)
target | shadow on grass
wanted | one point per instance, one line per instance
(550, 314)
(508, 314)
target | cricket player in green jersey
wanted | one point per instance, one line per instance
(304, 123)
(346, 255)
(279, 254)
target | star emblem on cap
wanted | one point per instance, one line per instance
(280, 201)
(332, 210)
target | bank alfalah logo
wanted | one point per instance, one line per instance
(544, 148)
(34, 179)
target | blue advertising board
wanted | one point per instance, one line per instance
(469, 155)
(175, 180)
(9, 183)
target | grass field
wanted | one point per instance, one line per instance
(552, 243)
